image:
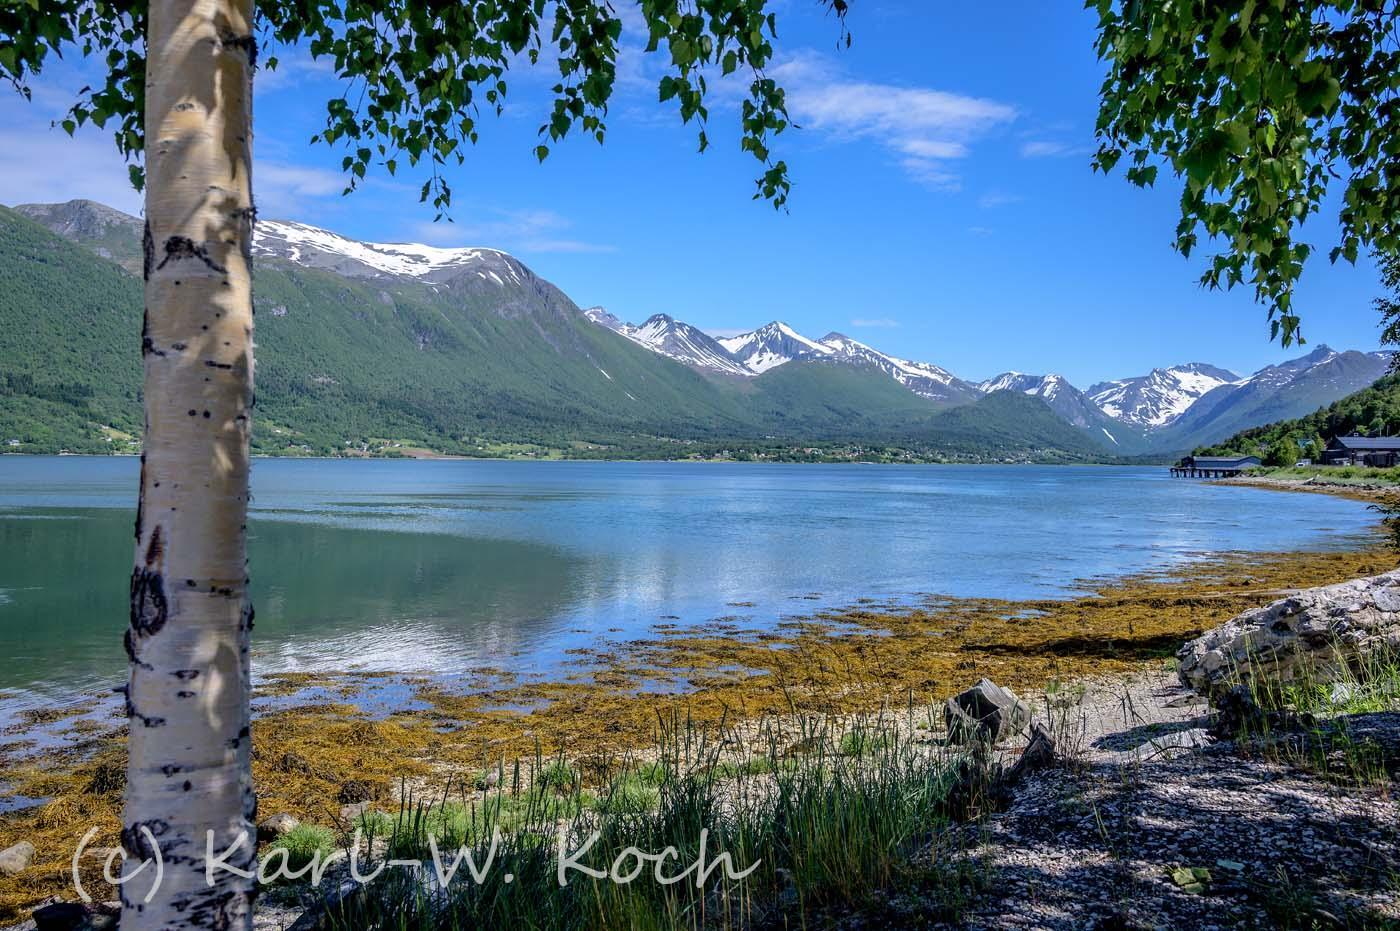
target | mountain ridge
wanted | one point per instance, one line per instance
(442, 357)
(538, 365)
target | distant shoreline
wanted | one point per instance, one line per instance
(451, 457)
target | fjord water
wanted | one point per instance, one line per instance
(453, 566)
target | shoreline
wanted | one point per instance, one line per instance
(713, 675)
(1369, 491)
(452, 457)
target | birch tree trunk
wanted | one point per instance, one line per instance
(189, 784)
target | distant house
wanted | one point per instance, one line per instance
(1215, 466)
(1379, 451)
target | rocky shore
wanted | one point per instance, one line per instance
(1362, 489)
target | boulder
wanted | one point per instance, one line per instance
(75, 916)
(15, 860)
(269, 829)
(354, 790)
(354, 811)
(986, 712)
(1318, 629)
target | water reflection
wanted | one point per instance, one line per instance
(449, 566)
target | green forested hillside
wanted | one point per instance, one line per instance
(70, 326)
(467, 366)
(1373, 411)
(1001, 426)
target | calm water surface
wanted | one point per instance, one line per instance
(448, 566)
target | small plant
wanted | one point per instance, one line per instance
(1298, 718)
(557, 776)
(861, 742)
(303, 844)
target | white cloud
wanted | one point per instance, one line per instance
(924, 126)
(43, 165)
(932, 174)
(295, 67)
(929, 148)
(921, 127)
(1045, 148)
(881, 322)
(279, 184)
(994, 199)
(523, 230)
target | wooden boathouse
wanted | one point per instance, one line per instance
(1214, 466)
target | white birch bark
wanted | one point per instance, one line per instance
(187, 700)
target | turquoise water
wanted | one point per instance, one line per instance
(451, 566)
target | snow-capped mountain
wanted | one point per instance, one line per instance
(1072, 405)
(603, 318)
(427, 304)
(317, 248)
(772, 345)
(1277, 392)
(675, 340)
(1161, 396)
(1177, 406)
(923, 378)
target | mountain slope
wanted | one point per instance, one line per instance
(1370, 411)
(1159, 397)
(453, 364)
(110, 233)
(1011, 426)
(69, 348)
(922, 378)
(1073, 407)
(676, 340)
(1287, 390)
(387, 347)
(772, 345)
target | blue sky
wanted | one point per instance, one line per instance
(943, 207)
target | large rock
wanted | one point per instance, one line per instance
(75, 916)
(985, 712)
(1319, 629)
(15, 860)
(269, 829)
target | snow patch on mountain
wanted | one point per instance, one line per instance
(669, 337)
(770, 346)
(685, 343)
(1161, 396)
(319, 248)
(922, 378)
(1041, 386)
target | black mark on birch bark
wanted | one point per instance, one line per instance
(136, 841)
(245, 44)
(149, 608)
(182, 247)
(148, 345)
(129, 644)
(148, 252)
(134, 715)
(155, 549)
(141, 500)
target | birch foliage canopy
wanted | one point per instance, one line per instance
(1259, 108)
(419, 74)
